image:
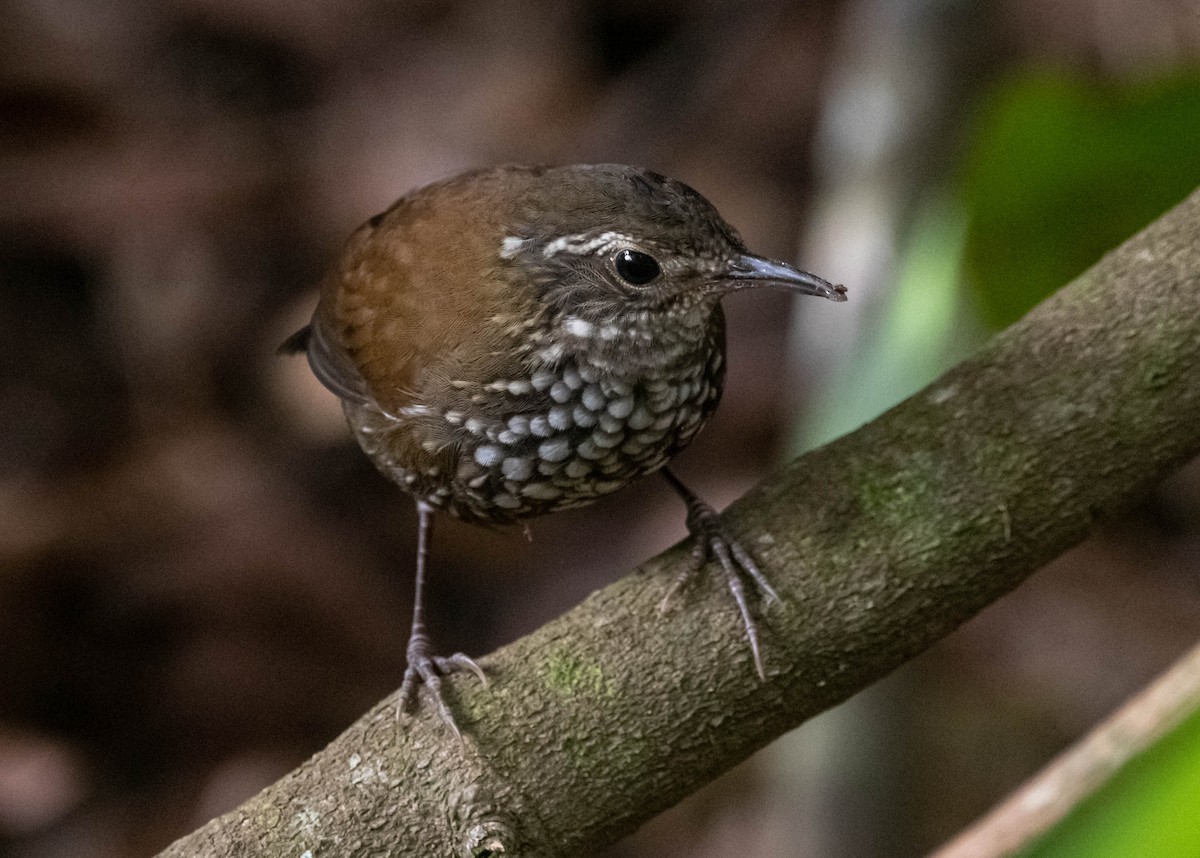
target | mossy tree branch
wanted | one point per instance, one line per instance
(881, 543)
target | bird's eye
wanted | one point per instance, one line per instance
(636, 267)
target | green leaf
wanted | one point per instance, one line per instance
(1151, 807)
(1063, 168)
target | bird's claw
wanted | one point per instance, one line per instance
(710, 541)
(425, 668)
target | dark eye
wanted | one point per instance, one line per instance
(636, 268)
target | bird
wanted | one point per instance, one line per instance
(516, 340)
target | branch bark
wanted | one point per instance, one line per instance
(880, 543)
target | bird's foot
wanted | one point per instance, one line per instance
(425, 668)
(710, 541)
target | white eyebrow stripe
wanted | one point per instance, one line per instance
(511, 246)
(584, 243)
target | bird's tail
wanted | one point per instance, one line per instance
(296, 343)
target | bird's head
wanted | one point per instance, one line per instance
(613, 250)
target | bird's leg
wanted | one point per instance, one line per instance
(423, 665)
(709, 541)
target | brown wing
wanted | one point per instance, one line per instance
(417, 305)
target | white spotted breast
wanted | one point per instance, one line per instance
(564, 437)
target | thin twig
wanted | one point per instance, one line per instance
(1084, 768)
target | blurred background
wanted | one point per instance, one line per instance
(202, 580)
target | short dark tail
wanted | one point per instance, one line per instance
(296, 343)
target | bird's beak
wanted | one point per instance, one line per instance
(748, 271)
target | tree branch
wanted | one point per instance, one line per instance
(880, 544)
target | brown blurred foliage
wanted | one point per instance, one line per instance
(202, 580)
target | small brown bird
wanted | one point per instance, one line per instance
(518, 340)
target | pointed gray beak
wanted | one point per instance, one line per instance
(749, 271)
